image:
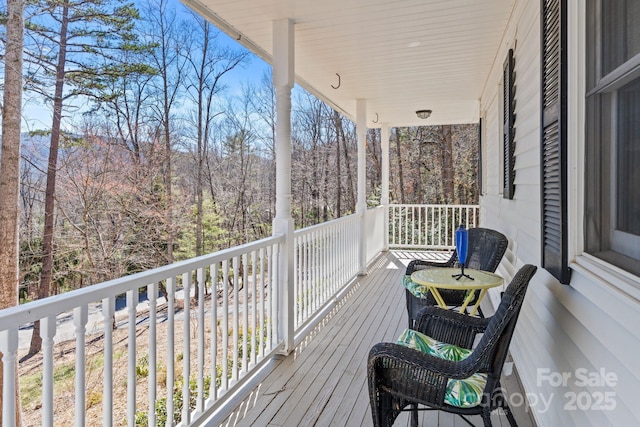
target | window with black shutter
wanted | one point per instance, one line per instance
(554, 139)
(508, 127)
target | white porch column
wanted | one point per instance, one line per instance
(361, 205)
(283, 79)
(384, 196)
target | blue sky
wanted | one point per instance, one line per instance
(37, 116)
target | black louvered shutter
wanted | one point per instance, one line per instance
(554, 139)
(508, 126)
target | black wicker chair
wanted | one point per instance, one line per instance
(486, 248)
(401, 377)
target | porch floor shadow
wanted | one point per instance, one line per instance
(324, 381)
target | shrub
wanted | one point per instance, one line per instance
(142, 367)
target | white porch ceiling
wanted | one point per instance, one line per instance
(399, 55)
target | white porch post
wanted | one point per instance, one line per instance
(384, 196)
(361, 205)
(283, 79)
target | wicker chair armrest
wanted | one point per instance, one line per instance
(450, 326)
(406, 365)
(419, 264)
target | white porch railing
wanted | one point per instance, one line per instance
(198, 352)
(429, 226)
(326, 258)
(210, 346)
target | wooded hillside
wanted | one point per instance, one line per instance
(155, 154)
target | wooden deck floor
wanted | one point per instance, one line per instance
(324, 382)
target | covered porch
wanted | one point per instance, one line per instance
(212, 331)
(378, 63)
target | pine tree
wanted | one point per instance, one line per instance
(73, 49)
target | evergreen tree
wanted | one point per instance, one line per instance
(73, 48)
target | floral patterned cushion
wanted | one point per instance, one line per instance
(464, 393)
(418, 291)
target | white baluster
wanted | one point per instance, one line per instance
(107, 390)
(315, 290)
(254, 311)
(171, 358)
(245, 317)
(80, 318)
(47, 332)
(406, 225)
(186, 349)
(213, 389)
(414, 218)
(310, 276)
(263, 282)
(8, 348)
(152, 295)
(132, 302)
(236, 323)
(273, 294)
(225, 325)
(270, 274)
(421, 227)
(298, 274)
(435, 224)
(200, 374)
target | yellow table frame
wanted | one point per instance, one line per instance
(441, 278)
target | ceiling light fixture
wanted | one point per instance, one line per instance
(423, 114)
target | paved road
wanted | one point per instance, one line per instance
(65, 329)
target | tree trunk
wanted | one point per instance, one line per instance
(350, 185)
(447, 164)
(400, 173)
(49, 202)
(375, 152)
(10, 170)
(419, 182)
(325, 188)
(167, 173)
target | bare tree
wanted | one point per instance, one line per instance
(346, 136)
(401, 190)
(338, 124)
(263, 104)
(208, 64)
(166, 34)
(443, 165)
(310, 128)
(374, 163)
(446, 155)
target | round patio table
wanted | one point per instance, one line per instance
(438, 278)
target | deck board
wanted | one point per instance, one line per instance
(324, 381)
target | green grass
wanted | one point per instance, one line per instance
(63, 379)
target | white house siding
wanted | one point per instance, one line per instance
(578, 329)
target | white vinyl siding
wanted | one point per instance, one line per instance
(590, 324)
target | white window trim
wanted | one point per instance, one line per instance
(576, 78)
(609, 276)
